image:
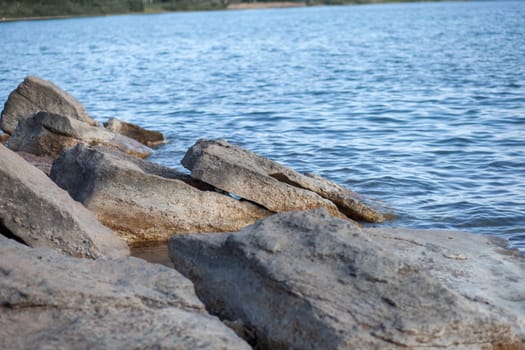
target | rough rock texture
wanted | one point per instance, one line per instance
(143, 201)
(147, 137)
(43, 163)
(310, 281)
(34, 95)
(48, 134)
(51, 301)
(41, 214)
(4, 138)
(268, 183)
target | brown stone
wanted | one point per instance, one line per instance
(46, 134)
(147, 137)
(143, 201)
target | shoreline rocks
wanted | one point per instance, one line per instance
(146, 137)
(270, 184)
(306, 280)
(47, 134)
(51, 301)
(39, 213)
(143, 201)
(34, 95)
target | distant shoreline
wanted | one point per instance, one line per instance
(239, 6)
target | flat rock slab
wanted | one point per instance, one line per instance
(149, 138)
(143, 201)
(270, 184)
(41, 214)
(47, 134)
(35, 95)
(51, 301)
(306, 280)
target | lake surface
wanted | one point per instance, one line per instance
(419, 106)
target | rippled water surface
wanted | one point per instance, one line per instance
(420, 106)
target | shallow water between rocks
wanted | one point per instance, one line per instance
(419, 106)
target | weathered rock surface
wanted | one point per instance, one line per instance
(270, 184)
(41, 214)
(4, 138)
(303, 280)
(43, 163)
(48, 134)
(51, 301)
(143, 201)
(147, 137)
(35, 95)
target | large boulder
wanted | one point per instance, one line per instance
(51, 301)
(48, 134)
(149, 138)
(39, 213)
(270, 184)
(34, 95)
(306, 280)
(143, 201)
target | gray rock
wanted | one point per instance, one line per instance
(41, 214)
(276, 187)
(48, 134)
(34, 95)
(303, 280)
(250, 176)
(51, 301)
(143, 201)
(149, 138)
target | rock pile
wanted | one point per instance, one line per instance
(309, 277)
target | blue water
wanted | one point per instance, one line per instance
(419, 106)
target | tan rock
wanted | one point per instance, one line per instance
(143, 201)
(147, 137)
(46, 134)
(39, 213)
(35, 95)
(270, 184)
(4, 138)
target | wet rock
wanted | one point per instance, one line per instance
(305, 280)
(39, 213)
(48, 134)
(34, 95)
(4, 138)
(51, 301)
(147, 137)
(250, 176)
(143, 201)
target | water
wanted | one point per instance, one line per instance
(420, 106)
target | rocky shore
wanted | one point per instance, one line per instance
(264, 257)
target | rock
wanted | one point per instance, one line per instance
(4, 138)
(146, 137)
(43, 163)
(34, 95)
(39, 213)
(250, 176)
(51, 301)
(143, 201)
(48, 134)
(305, 280)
